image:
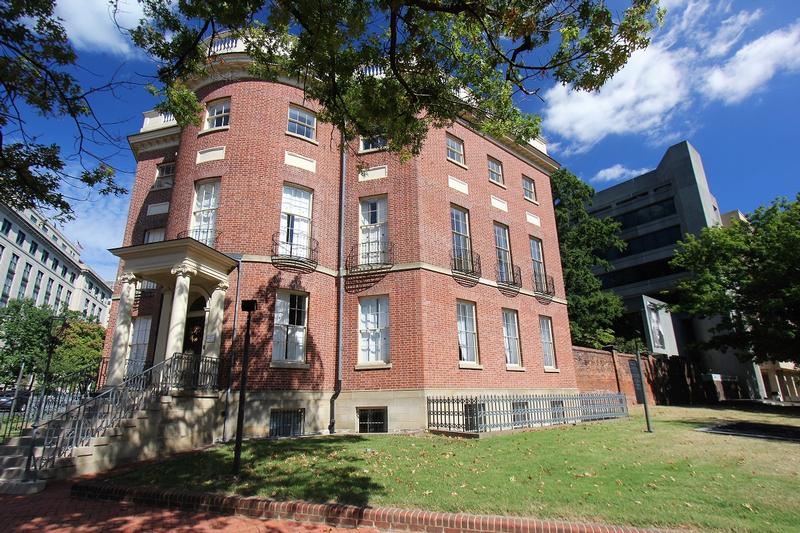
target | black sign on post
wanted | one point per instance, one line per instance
(248, 306)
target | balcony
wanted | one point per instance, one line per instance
(154, 120)
(509, 278)
(370, 255)
(294, 251)
(543, 285)
(465, 266)
(209, 237)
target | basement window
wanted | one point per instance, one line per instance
(372, 420)
(286, 422)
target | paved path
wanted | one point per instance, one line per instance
(54, 510)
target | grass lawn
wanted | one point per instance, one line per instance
(610, 472)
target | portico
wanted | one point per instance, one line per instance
(194, 282)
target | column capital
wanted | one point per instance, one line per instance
(127, 277)
(222, 286)
(183, 269)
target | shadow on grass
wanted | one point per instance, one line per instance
(320, 469)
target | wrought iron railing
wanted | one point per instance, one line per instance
(209, 237)
(465, 263)
(509, 276)
(59, 436)
(24, 406)
(294, 250)
(544, 284)
(370, 255)
(479, 414)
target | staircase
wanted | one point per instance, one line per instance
(171, 406)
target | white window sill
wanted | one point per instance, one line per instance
(212, 130)
(302, 137)
(515, 368)
(372, 150)
(373, 366)
(551, 369)
(536, 202)
(294, 365)
(160, 188)
(462, 165)
(468, 365)
(499, 184)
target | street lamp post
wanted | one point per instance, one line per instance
(644, 389)
(248, 306)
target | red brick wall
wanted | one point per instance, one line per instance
(595, 371)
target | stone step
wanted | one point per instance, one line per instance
(8, 449)
(22, 487)
(23, 441)
(13, 473)
(13, 460)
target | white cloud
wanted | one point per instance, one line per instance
(754, 65)
(616, 173)
(90, 24)
(730, 32)
(637, 100)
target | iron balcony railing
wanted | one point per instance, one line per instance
(292, 249)
(483, 413)
(76, 427)
(544, 284)
(465, 263)
(509, 276)
(209, 237)
(369, 255)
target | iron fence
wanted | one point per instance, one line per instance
(21, 408)
(483, 413)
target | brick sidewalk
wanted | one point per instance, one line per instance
(53, 510)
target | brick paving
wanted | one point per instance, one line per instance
(54, 510)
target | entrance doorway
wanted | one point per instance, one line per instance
(195, 327)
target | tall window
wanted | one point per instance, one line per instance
(503, 253)
(374, 329)
(373, 235)
(204, 215)
(369, 144)
(529, 188)
(6, 226)
(548, 348)
(537, 258)
(68, 298)
(10, 273)
(154, 235)
(23, 284)
(86, 307)
(302, 122)
(455, 149)
(48, 291)
(295, 233)
(289, 337)
(165, 176)
(37, 286)
(511, 336)
(57, 302)
(140, 337)
(495, 170)
(45, 256)
(219, 114)
(462, 247)
(467, 332)
(34, 247)
(20, 237)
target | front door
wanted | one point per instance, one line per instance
(193, 337)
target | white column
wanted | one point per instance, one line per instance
(122, 331)
(180, 303)
(774, 385)
(163, 326)
(213, 329)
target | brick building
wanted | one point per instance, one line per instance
(378, 281)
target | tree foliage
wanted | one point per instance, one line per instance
(748, 275)
(583, 239)
(439, 59)
(35, 78)
(77, 357)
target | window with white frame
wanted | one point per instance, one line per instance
(373, 233)
(495, 170)
(537, 258)
(462, 246)
(165, 176)
(455, 149)
(548, 347)
(295, 232)
(511, 337)
(140, 337)
(154, 235)
(289, 336)
(373, 329)
(376, 142)
(302, 122)
(529, 188)
(218, 114)
(204, 214)
(467, 332)
(503, 253)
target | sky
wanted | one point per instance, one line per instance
(724, 75)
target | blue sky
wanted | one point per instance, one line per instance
(723, 74)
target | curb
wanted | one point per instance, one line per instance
(335, 514)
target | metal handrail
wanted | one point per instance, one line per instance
(206, 236)
(371, 255)
(544, 284)
(465, 263)
(302, 249)
(509, 275)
